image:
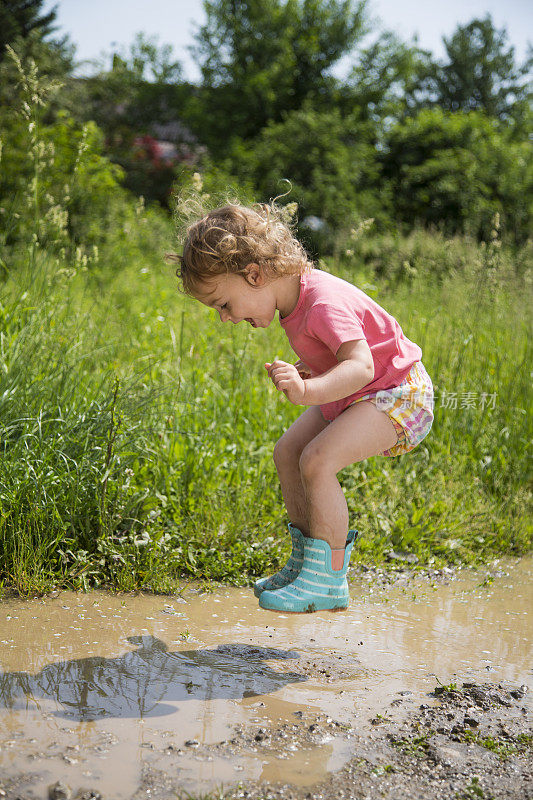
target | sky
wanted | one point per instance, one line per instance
(99, 26)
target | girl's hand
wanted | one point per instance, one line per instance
(286, 379)
(303, 370)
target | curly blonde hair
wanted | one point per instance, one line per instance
(229, 238)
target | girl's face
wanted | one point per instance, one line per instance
(239, 298)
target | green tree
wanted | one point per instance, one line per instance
(330, 161)
(456, 170)
(261, 58)
(140, 89)
(387, 80)
(481, 72)
(19, 17)
(141, 85)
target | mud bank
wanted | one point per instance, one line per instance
(125, 697)
(475, 742)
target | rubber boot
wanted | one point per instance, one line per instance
(317, 586)
(291, 569)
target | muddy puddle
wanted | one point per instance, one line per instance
(101, 691)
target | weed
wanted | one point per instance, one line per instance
(503, 748)
(473, 791)
(415, 746)
(382, 769)
(444, 688)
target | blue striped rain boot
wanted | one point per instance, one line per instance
(291, 569)
(317, 587)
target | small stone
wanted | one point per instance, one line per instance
(89, 794)
(471, 720)
(458, 728)
(192, 743)
(499, 698)
(59, 791)
(393, 555)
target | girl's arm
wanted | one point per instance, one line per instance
(354, 371)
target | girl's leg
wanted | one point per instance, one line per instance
(287, 453)
(359, 432)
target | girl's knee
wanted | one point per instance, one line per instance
(287, 451)
(312, 462)
(283, 453)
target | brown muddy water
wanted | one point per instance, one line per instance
(97, 688)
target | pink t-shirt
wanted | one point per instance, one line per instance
(331, 311)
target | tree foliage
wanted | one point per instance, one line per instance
(132, 93)
(261, 58)
(481, 72)
(329, 160)
(19, 17)
(403, 138)
(455, 170)
(388, 79)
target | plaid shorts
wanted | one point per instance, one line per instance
(410, 407)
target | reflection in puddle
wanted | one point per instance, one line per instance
(96, 689)
(144, 683)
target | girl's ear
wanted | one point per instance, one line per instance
(254, 275)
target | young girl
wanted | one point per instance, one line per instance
(362, 379)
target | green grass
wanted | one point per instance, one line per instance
(503, 748)
(414, 746)
(137, 430)
(473, 791)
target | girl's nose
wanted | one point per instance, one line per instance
(224, 314)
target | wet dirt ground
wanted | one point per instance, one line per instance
(130, 697)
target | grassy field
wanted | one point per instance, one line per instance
(136, 431)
